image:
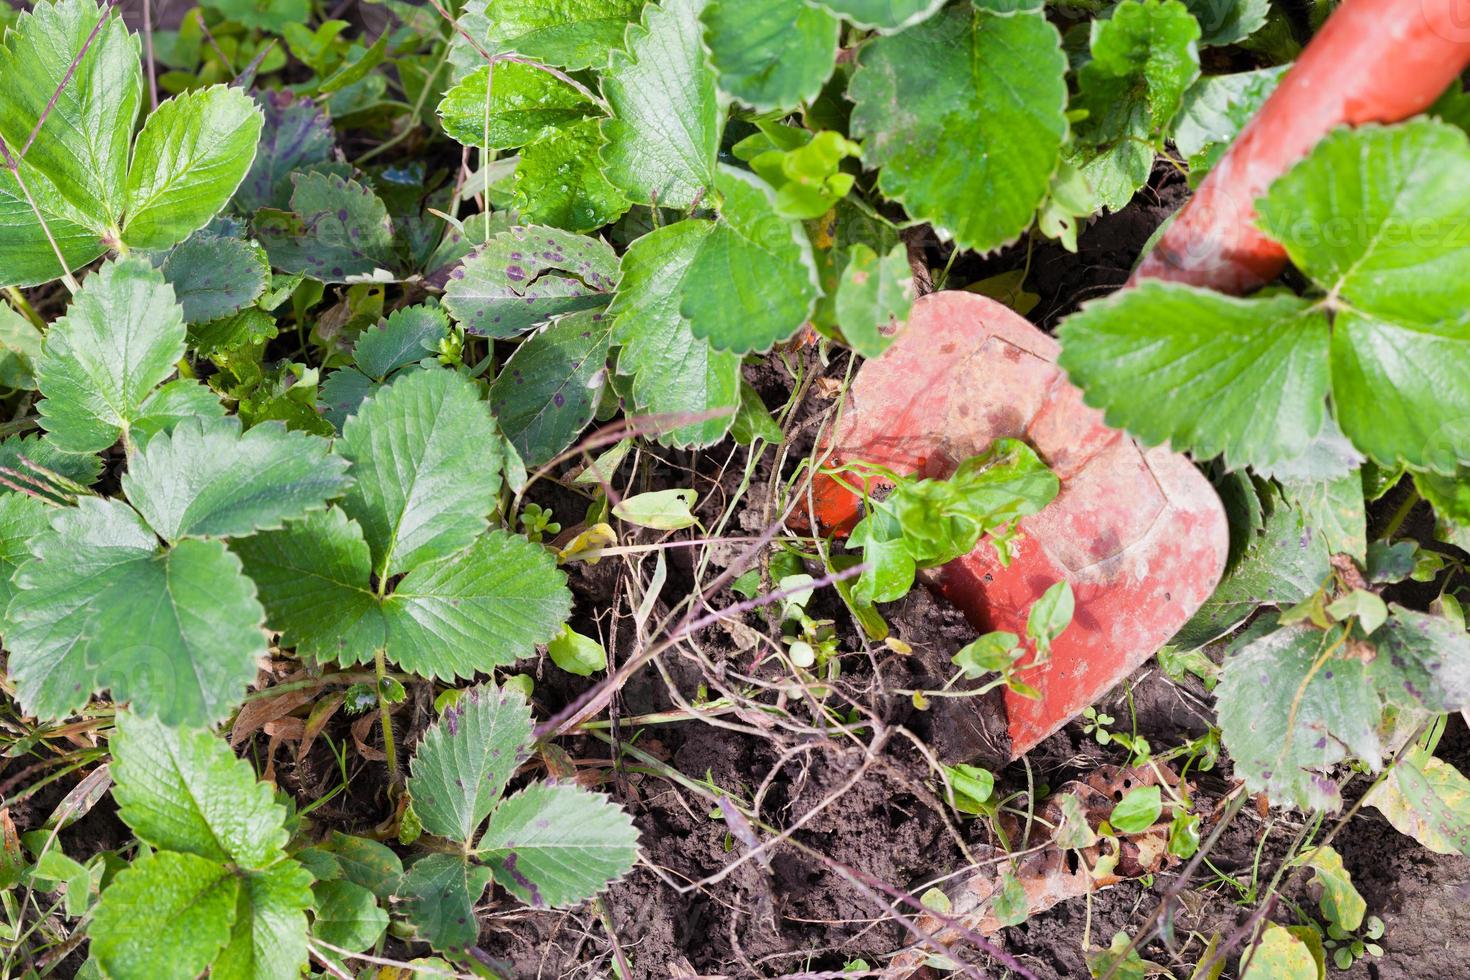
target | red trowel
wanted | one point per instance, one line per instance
(1139, 533)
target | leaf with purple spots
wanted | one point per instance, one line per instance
(1428, 799)
(555, 844)
(297, 134)
(438, 896)
(548, 390)
(528, 275)
(466, 759)
(214, 276)
(336, 230)
(1291, 706)
(1423, 661)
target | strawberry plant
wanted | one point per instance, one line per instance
(550, 844)
(466, 470)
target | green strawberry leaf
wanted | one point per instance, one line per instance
(483, 607)
(560, 182)
(462, 766)
(1328, 457)
(118, 341)
(233, 334)
(183, 790)
(186, 794)
(771, 54)
(526, 276)
(214, 276)
(1402, 390)
(164, 917)
(1144, 57)
(525, 103)
(208, 479)
(1400, 370)
(268, 15)
(960, 144)
(752, 281)
(343, 393)
(28, 256)
(1448, 495)
(269, 936)
(1167, 363)
(425, 454)
(20, 457)
(101, 605)
(82, 148)
(568, 33)
(672, 371)
(488, 606)
(75, 175)
(347, 915)
(192, 153)
(885, 16)
(314, 580)
(438, 896)
(297, 135)
(20, 348)
(664, 135)
(1215, 110)
(553, 845)
(874, 297)
(1394, 179)
(365, 862)
(548, 390)
(406, 337)
(22, 518)
(1286, 721)
(336, 229)
(180, 399)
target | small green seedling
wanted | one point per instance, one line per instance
(1347, 947)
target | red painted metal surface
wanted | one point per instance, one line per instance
(1372, 61)
(1140, 534)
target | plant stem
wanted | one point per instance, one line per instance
(389, 749)
(1402, 514)
(24, 306)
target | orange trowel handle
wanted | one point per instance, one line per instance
(1372, 61)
